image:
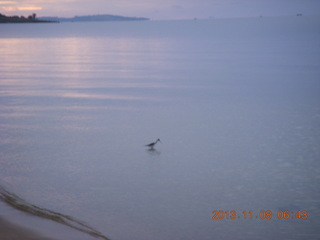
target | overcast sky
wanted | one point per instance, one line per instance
(161, 9)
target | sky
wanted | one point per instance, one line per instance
(161, 9)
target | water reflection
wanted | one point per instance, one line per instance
(69, 105)
(153, 152)
(19, 204)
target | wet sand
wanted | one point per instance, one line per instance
(11, 231)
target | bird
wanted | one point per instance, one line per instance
(151, 145)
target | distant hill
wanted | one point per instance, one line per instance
(93, 18)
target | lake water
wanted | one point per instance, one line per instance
(235, 103)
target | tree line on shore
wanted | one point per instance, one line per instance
(21, 19)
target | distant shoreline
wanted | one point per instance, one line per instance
(94, 18)
(22, 19)
(89, 18)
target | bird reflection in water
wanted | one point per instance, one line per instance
(153, 152)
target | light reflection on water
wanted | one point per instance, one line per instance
(237, 129)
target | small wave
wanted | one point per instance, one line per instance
(18, 203)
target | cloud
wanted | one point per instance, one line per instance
(29, 8)
(15, 6)
(6, 2)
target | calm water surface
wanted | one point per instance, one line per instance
(234, 102)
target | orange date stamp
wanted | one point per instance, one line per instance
(263, 214)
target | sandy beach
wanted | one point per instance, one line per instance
(11, 231)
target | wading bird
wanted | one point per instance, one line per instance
(151, 145)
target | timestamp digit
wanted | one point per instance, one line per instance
(245, 214)
(265, 214)
(286, 214)
(215, 215)
(283, 214)
(233, 214)
(302, 214)
(268, 214)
